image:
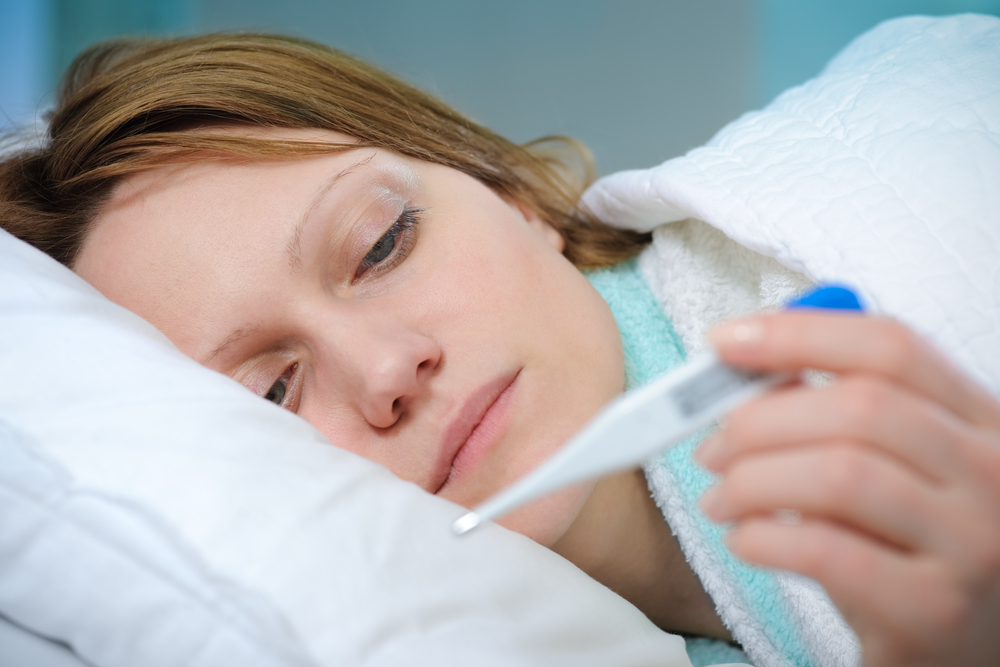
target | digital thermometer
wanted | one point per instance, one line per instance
(644, 421)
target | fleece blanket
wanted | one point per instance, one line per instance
(882, 173)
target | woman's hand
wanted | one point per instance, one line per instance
(884, 485)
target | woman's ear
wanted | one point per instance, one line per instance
(547, 231)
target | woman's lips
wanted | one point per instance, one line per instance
(476, 429)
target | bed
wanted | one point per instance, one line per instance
(154, 512)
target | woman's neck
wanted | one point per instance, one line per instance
(621, 540)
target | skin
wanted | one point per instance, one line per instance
(397, 304)
(894, 471)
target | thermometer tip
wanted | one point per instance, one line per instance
(465, 524)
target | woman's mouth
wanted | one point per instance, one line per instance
(478, 426)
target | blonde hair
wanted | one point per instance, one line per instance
(130, 105)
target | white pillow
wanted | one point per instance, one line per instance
(154, 513)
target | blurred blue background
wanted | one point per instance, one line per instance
(639, 81)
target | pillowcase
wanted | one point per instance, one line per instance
(155, 512)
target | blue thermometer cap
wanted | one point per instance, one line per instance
(836, 297)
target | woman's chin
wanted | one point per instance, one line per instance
(546, 520)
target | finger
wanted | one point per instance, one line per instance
(848, 343)
(956, 520)
(909, 427)
(902, 607)
(850, 485)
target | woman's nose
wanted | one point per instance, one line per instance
(395, 368)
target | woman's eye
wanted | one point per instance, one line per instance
(394, 245)
(278, 393)
(382, 247)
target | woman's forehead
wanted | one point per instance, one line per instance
(218, 220)
(178, 190)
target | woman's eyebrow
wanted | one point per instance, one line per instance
(293, 247)
(234, 337)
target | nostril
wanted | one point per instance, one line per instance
(430, 365)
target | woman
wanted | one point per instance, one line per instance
(408, 282)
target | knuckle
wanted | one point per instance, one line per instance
(901, 347)
(844, 474)
(988, 459)
(737, 421)
(864, 399)
(952, 611)
(815, 557)
(886, 648)
(987, 561)
(827, 560)
(740, 489)
(949, 600)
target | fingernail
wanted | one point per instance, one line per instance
(744, 333)
(711, 453)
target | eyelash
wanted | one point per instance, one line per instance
(402, 233)
(286, 390)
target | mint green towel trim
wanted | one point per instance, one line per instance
(652, 347)
(705, 652)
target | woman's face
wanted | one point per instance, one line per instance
(403, 308)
